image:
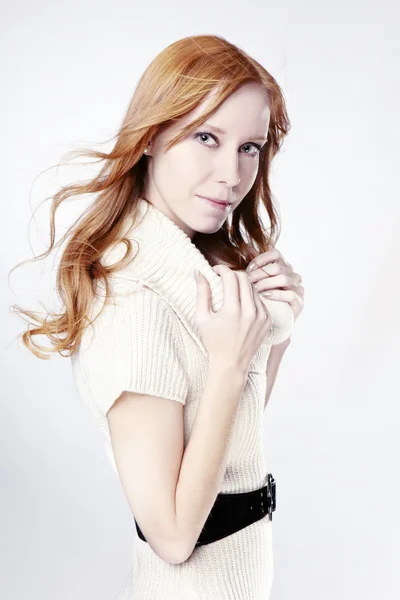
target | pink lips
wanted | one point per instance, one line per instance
(221, 202)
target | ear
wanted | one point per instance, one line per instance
(147, 151)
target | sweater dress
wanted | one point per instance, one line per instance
(146, 341)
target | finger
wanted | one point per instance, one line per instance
(277, 281)
(264, 258)
(247, 292)
(203, 298)
(281, 295)
(266, 271)
(258, 301)
(230, 285)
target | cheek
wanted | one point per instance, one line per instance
(249, 170)
(188, 165)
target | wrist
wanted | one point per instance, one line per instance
(228, 368)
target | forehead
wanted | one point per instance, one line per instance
(246, 110)
(245, 114)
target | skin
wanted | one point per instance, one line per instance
(224, 167)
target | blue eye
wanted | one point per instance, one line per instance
(202, 133)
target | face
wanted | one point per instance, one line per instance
(209, 163)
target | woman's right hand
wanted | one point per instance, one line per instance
(234, 333)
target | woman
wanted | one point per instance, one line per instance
(177, 372)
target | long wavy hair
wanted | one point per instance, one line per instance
(174, 83)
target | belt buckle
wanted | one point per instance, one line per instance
(271, 494)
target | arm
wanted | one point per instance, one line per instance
(206, 455)
(274, 360)
(171, 490)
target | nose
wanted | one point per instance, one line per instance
(227, 169)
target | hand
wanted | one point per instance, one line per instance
(274, 274)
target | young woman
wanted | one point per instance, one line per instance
(177, 371)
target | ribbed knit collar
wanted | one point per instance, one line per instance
(165, 261)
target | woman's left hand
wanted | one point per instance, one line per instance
(274, 274)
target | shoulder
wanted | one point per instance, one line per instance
(140, 326)
(134, 344)
(131, 309)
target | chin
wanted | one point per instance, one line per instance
(208, 230)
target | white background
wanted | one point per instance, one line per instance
(68, 71)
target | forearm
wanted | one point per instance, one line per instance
(205, 458)
(274, 360)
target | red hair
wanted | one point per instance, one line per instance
(174, 83)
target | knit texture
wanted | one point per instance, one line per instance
(147, 341)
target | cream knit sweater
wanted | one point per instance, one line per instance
(148, 342)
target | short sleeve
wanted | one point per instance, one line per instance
(134, 345)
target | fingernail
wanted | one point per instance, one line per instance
(267, 294)
(253, 266)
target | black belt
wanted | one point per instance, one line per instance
(232, 512)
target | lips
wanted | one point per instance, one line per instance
(222, 202)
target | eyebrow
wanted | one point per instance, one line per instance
(218, 130)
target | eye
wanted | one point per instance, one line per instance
(256, 146)
(200, 134)
(205, 133)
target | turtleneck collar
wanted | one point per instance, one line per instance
(165, 258)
